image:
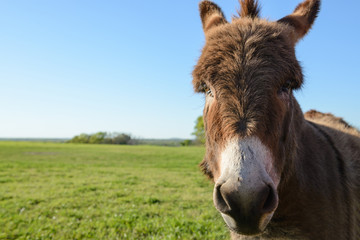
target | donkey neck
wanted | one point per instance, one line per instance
(313, 194)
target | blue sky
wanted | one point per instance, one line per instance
(68, 67)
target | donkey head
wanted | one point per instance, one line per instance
(248, 71)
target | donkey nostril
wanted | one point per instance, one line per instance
(270, 200)
(219, 200)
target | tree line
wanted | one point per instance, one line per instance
(103, 138)
(126, 139)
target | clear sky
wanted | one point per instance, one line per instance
(68, 67)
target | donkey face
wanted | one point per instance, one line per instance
(247, 71)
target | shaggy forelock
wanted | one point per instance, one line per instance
(245, 50)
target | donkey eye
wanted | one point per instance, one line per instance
(286, 87)
(206, 90)
(209, 93)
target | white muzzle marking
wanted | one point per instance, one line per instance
(249, 160)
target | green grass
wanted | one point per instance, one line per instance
(68, 191)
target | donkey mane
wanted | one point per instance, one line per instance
(331, 121)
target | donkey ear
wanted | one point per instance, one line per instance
(211, 15)
(303, 17)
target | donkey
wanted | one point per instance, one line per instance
(277, 173)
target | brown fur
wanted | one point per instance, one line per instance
(251, 69)
(249, 8)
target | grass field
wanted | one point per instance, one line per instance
(66, 191)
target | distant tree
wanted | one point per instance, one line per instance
(121, 139)
(186, 142)
(107, 140)
(97, 138)
(103, 137)
(82, 138)
(199, 131)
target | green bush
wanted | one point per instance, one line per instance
(102, 138)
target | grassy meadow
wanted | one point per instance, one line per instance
(74, 191)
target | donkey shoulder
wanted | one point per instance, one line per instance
(330, 121)
(346, 139)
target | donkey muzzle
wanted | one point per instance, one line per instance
(245, 212)
(245, 194)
